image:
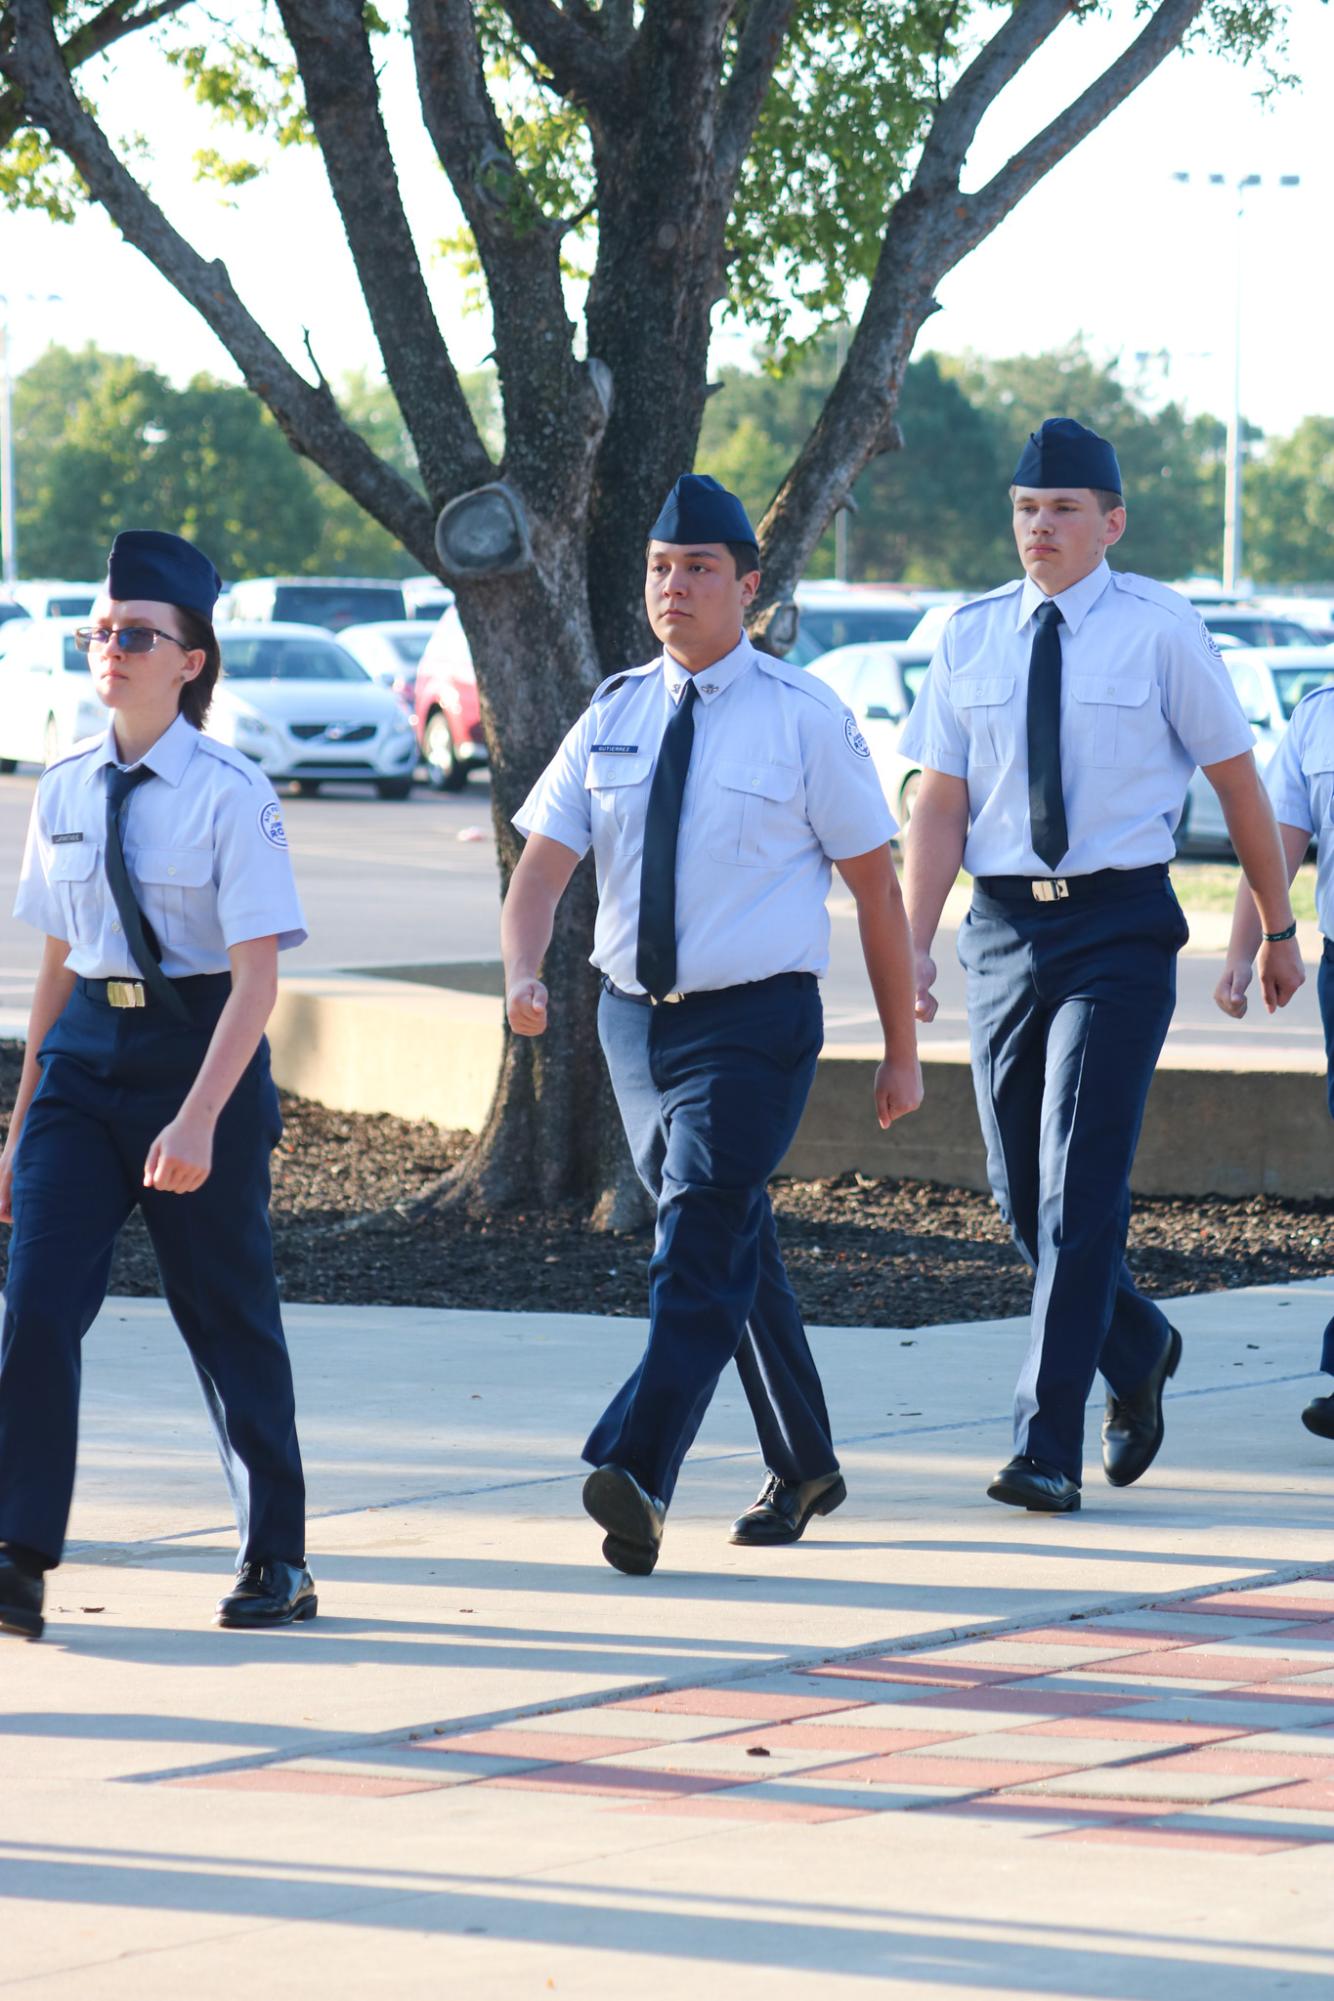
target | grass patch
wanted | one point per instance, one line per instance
(1213, 886)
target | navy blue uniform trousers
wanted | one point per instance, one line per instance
(111, 1080)
(710, 1091)
(1068, 1007)
(1325, 989)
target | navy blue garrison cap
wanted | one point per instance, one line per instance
(146, 563)
(699, 510)
(1063, 453)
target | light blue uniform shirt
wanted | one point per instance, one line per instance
(780, 783)
(204, 846)
(1144, 699)
(1300, 782)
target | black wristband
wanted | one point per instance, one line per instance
(1280, 937)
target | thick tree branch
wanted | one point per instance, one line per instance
(115, 21)
(580, 64)
(309, 417)
(954, 126)
(932, 227)
(554, 409)
(757, 55)
(1165, 32)
(332, 48)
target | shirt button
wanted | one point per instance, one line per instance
(115, 927)
(171, 871)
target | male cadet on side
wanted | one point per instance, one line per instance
(1300, 783)
(715, 786)
(1058, 729)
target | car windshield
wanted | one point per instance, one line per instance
(1294, 682)
(409, 646)
(74, 661)
(1261, 631)
(335, 605)
(827, 626)
(263, 659)
(77, 606)
(913, 678)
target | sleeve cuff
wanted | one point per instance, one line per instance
(577, 839)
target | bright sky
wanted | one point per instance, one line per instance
(1109, 246)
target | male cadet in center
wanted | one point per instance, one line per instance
(1059, 726)
(715, 786)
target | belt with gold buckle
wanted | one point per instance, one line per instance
(126, 993)
(1050, 889)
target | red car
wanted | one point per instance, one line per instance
(446, 711)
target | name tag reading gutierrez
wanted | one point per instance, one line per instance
(60, 840)
(611, 750)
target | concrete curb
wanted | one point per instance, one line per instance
(360, 1043)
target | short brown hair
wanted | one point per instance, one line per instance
(199, 636)
(1106, 499)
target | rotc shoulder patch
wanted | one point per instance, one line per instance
(1210, 641)
(856, 741)
(271, 825)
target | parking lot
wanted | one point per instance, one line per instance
(411, 884)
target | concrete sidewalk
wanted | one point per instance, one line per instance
(940, 1745)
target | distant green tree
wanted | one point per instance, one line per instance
(104, 443)
(1288, 508)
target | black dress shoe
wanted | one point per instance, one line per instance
(21, 1597)
(269, 1594)
(632, 1517)
(1319, 1416)
(785, 1506)
(1132, 1429)
(1033, 1484)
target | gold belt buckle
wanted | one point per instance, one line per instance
(666, 1000)
(126, 993)
(1054, 891)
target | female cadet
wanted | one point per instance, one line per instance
(157, 867)
(1300, 783)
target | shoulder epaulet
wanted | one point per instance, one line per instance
(1150, 591)
(75, 751)
(799, 678)
(236, 760)
(1313, 695)
(615, 681)
(987, 597)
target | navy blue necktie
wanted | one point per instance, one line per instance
(144, 947)
(655, 955)
(1046, 801)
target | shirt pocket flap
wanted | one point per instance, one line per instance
(1317, 758)
(767, 781)
(181, 868)
(1105, 689)
(976, 691)
(72, 861)
(613, 768)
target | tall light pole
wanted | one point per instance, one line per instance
(1236, 447)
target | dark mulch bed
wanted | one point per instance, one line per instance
(879, 1253)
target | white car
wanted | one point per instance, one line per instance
(390, 651)
(839, 615)
(879, 684)
(47, 698)
(1270, 681)
(298, 704)
(48, 597)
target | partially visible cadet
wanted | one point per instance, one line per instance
(715, 786)
(1059, 726)
(157, 867)
(1300, 783)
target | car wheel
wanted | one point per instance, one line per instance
(307, 788)
(393, 788)
(1182, 836)
(8, 764)
(908, 792)
(443, 769)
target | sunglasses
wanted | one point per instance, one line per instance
(129, 638)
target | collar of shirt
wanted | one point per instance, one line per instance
(712, 681)
(1075, 604)
(167, 758)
